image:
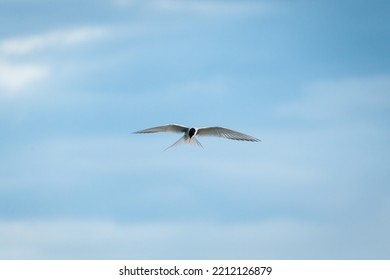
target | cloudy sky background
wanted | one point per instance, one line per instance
(309, 78)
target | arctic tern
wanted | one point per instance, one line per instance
(191, 132)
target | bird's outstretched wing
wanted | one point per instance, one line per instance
(225, 133)
(165, 128)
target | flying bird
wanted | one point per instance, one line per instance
(191, 132)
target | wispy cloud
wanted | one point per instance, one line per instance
(33, 43)
(17, 76)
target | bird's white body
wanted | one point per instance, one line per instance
(191, 132)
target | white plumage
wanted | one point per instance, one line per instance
(191, 132)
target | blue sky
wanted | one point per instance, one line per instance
(309, 78)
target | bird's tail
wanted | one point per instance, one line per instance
(184, 140)
(196, 142)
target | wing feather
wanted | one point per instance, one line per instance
(225, 133)
(165, 128)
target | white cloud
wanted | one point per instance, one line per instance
(16, 77)
(29, 44)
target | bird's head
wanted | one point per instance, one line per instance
(191, 132)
